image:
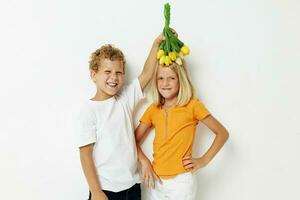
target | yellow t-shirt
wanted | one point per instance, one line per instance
(174, 135)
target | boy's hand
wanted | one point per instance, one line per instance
(174, 32)
(193, 164)
(151, 62)
(99, 196)
(161, 37)
(148, 175)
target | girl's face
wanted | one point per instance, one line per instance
(167, 83)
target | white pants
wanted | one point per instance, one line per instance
(181, 187)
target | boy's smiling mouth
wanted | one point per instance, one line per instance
(112, 84)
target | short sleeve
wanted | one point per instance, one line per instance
(133, 93)
(86, 127)
(200, 111)
(147, 116)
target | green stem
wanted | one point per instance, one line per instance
(172, 43)
(167, 15)
(168, 46)
(167, 27)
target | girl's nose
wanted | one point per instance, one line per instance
(166, 82)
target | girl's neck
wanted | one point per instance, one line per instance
(169, 103)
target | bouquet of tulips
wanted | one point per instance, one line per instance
(171, 49)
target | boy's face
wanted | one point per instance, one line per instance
(109, 78)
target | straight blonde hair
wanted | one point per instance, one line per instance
(186, 89)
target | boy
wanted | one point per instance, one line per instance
(105, 128)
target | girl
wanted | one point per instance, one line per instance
(174, 115)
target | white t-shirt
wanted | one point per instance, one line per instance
(109, 125)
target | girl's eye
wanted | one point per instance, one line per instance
(106, 72)
(119, 73)
(160, 78)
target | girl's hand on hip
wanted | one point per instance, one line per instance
(193, 164)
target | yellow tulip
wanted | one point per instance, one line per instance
(162, 59)
(185, 50)
(181, 55)
(178, 61)
(160, 53)
(167, 60)
(172, 55)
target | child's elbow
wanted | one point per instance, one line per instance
(225, 135)
(138, 142)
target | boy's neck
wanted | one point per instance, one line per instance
(101, 96)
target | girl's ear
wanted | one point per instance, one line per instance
(92, 75)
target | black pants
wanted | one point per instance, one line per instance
(133, 193)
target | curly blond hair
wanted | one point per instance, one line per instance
(107, 51)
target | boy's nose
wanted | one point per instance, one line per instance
(114, 76)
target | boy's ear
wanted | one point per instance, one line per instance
(92, 75)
